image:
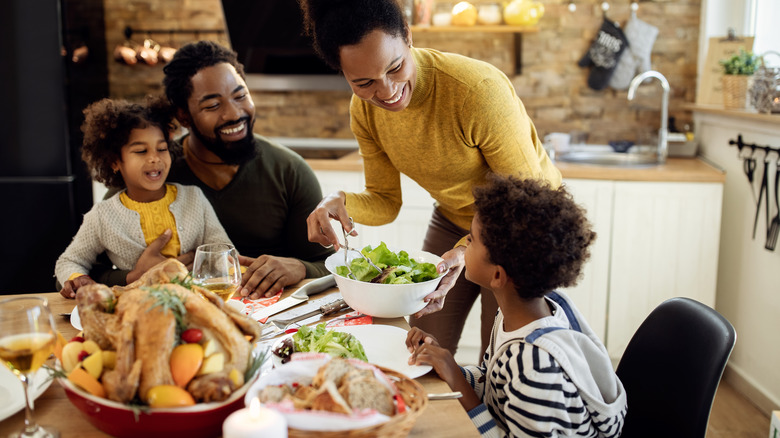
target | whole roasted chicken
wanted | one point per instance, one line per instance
(141, 321)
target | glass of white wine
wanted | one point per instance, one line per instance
(27, 339)
(216, 268)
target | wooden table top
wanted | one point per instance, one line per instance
(52, 408)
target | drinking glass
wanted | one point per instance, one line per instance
(27, 339)
(216, 268)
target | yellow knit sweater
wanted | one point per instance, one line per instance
(464, 120)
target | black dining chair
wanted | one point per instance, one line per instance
(671, 369)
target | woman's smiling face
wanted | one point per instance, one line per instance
(380, 69)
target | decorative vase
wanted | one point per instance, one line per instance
(735, 91)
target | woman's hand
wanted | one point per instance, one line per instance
(452, 264)
(266, 275)
(320, 231)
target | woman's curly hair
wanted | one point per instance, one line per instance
(107, 126)
(333, 24)
(188, 61)
(538, 234)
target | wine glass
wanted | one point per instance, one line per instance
(216, 268)
(27, 339)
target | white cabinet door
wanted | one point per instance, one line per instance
(407, 231)
(590, 293)
(665, 239)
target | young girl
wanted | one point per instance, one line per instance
(128, 146)
(545, 372)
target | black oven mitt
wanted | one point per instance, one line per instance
(603, 54)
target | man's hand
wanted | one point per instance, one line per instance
(70, 287)
(452, 264)
(266, 274)
(151, 256)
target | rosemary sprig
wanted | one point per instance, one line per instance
(184, 282)
(168, 300)
(256, 360)
(136, 406)
(54, 373)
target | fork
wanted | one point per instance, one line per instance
(347, 249)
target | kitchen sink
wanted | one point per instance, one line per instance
(597, 155)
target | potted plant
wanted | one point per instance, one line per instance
(736, 72)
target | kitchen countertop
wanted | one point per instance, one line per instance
(675, 170)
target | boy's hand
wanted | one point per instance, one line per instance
(70, 287)
(439, 358)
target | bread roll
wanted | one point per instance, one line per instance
(329, 399)
(366, 392)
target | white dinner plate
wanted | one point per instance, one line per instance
(385, 345)
(75, 319)
(11, 390)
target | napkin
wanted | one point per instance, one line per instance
(251, 306)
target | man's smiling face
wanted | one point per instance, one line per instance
(222, 113)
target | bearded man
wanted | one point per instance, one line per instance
(261, 191)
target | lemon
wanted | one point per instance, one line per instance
(464, 14)
(523, 13)
(168, 396)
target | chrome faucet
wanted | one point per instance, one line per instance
(662, 132)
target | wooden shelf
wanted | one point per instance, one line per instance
(498, 28)
(518, 32)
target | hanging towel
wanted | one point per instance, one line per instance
(603, 54)
(636, 59)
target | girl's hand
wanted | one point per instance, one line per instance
(70, 287)
(319, 229)
(452, 264)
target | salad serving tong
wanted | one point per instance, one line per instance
(347, 249)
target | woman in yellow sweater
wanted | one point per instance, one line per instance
(442, 119)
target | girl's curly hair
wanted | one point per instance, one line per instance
(538, 234)
(107, 126)
(333, 24)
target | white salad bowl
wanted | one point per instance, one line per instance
(383, 300)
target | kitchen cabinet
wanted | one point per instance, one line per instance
(656, 240)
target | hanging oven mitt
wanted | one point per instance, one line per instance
(603, 54)
(636, 58)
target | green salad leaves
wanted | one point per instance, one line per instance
(321, 340)
(406, 271)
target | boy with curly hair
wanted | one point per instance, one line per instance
(545, 372)
(128, 146)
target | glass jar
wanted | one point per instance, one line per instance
(489, 13)
(442, 14)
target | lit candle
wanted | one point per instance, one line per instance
(255, 421)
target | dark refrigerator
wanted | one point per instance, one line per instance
(43, 185)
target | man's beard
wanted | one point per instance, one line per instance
(236, 152)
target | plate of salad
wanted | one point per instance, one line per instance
(382, 345)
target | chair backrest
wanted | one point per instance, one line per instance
(671, 369)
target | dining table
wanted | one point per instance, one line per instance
(445, 418)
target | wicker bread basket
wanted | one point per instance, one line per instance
(415, 398)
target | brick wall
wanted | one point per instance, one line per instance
(551, 85)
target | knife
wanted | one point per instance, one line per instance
(299, 296)
(280, 326)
